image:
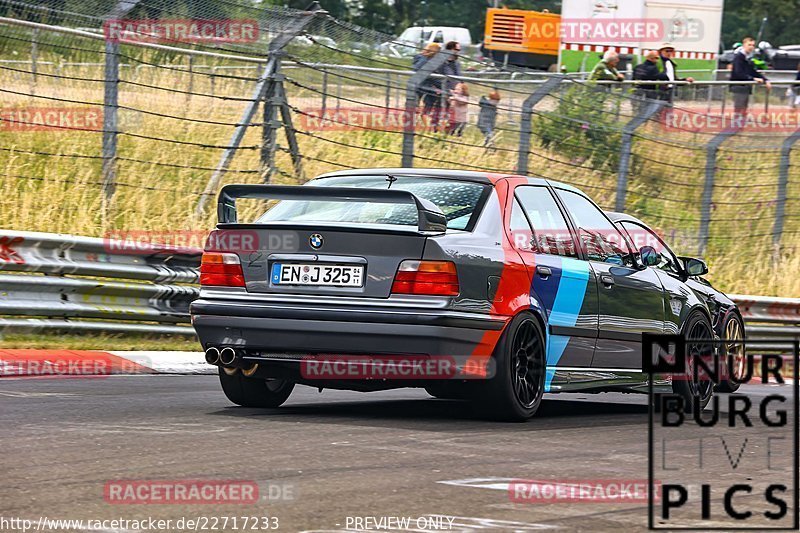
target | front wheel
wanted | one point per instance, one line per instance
(700, 344)
(254, 392)
(515, 392)
(734, 355)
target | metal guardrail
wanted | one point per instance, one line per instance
(52, 281)
(65, 282)
(769, 318)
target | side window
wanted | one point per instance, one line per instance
(642, 236)
(521, 234)
(601, 239)
(439, 38)
(551, 234)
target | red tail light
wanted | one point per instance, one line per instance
(221, 270)
(426, 277)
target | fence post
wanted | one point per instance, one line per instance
(410, 112)
(34, 59)
(324, 93)
(111, 102)
(258, 95)
(288, 128)
(525, 129)
(269, 131)
(648, 109)
(783, 180)
(110, 119)
(708, 186)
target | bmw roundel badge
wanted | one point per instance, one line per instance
(315, 241)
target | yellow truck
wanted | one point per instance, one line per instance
(522, 38)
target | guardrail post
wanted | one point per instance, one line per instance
(34, 59)
(258, 95)
(410, 112)
(783, 181)
(525, 129)
(645, 113)
(708, 186)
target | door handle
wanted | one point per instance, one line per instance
(543, 271)
(607, 280)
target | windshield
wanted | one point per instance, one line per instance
(458, 200)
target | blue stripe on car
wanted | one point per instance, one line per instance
(568, 282)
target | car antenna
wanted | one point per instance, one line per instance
(391, 179)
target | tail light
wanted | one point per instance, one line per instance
(426, 277)
(221, 270)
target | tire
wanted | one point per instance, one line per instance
(733, 330)
(515, 392)
(254, 392)
(697, 327)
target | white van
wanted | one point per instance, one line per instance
(416, 37)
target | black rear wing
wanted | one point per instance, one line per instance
(430, 217)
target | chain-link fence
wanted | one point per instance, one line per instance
(106, 125)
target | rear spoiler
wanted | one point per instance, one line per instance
(431, 218)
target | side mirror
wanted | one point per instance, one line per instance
(694, 266)
(649, 256)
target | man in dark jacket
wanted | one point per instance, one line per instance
(648, 71)
(451, 67)
(743, 70)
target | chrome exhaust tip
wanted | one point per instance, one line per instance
(227, 356)
(212, 356)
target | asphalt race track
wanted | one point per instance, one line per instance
(331, 456)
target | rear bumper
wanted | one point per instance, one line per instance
(305, 329)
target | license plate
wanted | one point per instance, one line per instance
(318, 275)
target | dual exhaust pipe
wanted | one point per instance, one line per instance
(215, 356)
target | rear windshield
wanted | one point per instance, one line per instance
(458, 200)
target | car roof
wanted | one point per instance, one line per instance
(463, 175)
(616, 216)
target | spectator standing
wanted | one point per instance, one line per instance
(429, 90)
(667, 52)
(743, 70)
(487, 116)
(449, 69)
(459, 102)
(648, 71)
(606, 69)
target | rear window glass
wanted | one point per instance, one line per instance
(458, 200)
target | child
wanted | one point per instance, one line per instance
(487, 116)
(459, 101)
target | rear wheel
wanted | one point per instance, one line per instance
(515, 392)
(254, 392)
(733, 336)
(698, 329)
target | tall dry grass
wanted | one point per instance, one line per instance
(63, 193)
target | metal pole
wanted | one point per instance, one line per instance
(269, 131)
(190, 89)
(525, 128)
(410, 112)
(34, 59)
(288, 128)
(324, 92)
(388, 94)
(783, 181)
(708, 186)
(110, 119)
(645, 113)
(276, 46)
